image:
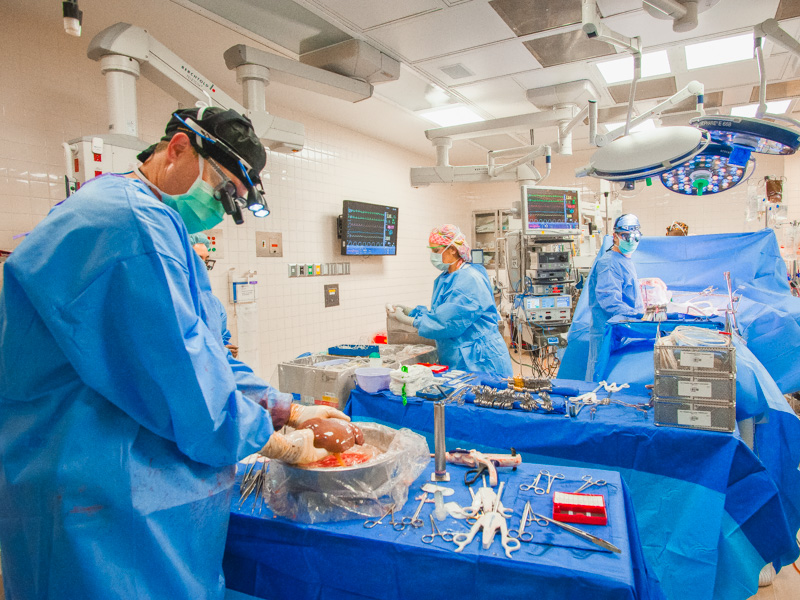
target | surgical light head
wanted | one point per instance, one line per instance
(717, 169)
(751, 135)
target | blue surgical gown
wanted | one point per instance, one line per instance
(614, 290)
(463, 321)
(121, 413)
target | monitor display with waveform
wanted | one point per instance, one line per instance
(368, 229)
(550, 211)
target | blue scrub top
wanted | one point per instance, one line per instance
(614, 290)
(121, 413)
(463, 321)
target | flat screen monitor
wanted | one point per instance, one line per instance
(368, 229)
(550, 211)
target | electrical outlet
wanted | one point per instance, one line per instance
(302, 271)
(293, 270)
(331, 294)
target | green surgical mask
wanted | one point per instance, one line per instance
(627, 247)
(436, 261)
(197, 206)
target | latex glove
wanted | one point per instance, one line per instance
(393, 308)
(299, 414)
(403, 318)
(294, 448)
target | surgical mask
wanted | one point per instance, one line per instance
(627, 247)
(436, 261)
(197, 206)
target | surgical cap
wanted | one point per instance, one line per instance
(200, 238)
(450, 235)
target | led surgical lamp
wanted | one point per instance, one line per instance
(716, 169)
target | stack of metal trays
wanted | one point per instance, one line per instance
(695, 386)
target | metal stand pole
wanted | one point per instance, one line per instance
(440, 462)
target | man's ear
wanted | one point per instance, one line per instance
(178, 147)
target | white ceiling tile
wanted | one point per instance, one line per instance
(500, 97)
(442, 32)
(412, 91)
(369, 13)
(492, 61)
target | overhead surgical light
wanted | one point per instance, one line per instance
(710, 172)
(752, 135)
(719, 52)
(646, 153)
(749, 110)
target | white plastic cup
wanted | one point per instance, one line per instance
(373, 379)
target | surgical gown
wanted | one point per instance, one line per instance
(121, 414)
(614, 290)
(463, 321)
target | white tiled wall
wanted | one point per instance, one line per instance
(52, 93)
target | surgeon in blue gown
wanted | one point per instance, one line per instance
(121, 413)
(614, 290)
(463, 317)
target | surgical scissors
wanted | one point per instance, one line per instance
(369, 524)
(589, 483)
(429, 538)
(519, 533)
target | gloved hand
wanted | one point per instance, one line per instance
(294, 448)
(299, 414)
(403, 318)
(391, 309)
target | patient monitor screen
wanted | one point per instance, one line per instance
(549, 211)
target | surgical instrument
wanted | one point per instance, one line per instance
(369, 524)
(509, 544)
(579, 532)
(429, 538)
(440, 461)
(414, 521)
(550, 480)
(519, 533)
(481, 462)
(589, 483)
(533, 486)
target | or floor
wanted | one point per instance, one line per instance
(785, 587)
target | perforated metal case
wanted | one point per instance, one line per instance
(713, 390)
(695, 415)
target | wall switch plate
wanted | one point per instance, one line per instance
(293, 270)
(215, 237)
(302, 271)
(317, 269)
(325, 268)
(269, 244)
(331, 294)
(309, 270)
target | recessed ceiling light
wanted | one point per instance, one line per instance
(451, 115)
(776, 107)
(719, 52)
(615, 71)
(643, 126)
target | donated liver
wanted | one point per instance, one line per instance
(334, 435)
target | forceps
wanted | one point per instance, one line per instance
(369, 524)
(575, 531)
(519, 533)
(535, 485)
(550, 480)
(589, 483)
(414, 521)
(429, 538)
